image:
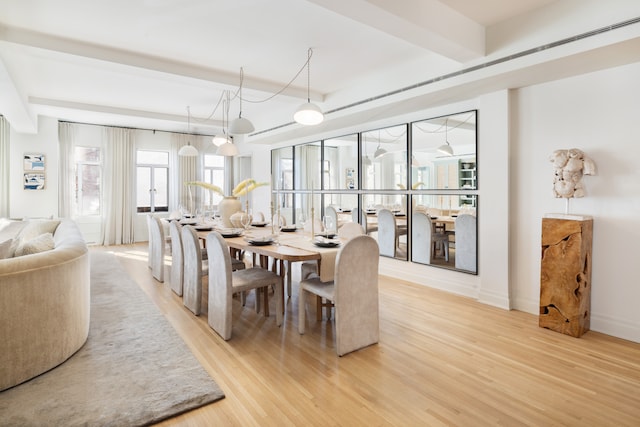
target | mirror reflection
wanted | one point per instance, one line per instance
(444, 236)
(384, 217)
(444, 152)
(384, 158)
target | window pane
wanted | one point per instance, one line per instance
(161, 189)
(153, 157)
(87, 154)
(89, 203)
(143, 194)
(211, 160)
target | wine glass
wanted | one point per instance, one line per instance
(327, 223)
(245, 220)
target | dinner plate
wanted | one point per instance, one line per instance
(230, 232)
(203, 227)
(327, 236)
(262, 241)
(288, 229)
(259, 224)
(326, 243)
(188, 221)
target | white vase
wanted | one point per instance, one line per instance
(227, 207)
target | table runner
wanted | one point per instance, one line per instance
(327, 255)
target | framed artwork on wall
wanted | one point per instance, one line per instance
(34, 162)
(34, 181)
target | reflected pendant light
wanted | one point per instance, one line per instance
(379, 151)
(188, 150)
(241, 126)
(308, 114)
(446, 148)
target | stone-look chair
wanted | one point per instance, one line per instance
(425, 239)
(354, 293)
(157, 248)
(466, 242)
(177, 258)
(223, 283)
(194, 270)
(348, 231)
(388, 235)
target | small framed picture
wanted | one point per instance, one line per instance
(34, 181)
(34, 162)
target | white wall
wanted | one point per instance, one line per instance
(597, 113)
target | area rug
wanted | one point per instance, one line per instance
(133, 370)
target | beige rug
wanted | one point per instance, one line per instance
(133, 370)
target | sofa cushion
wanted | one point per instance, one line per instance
(10, 228)
(36, 227)
(5, 249)
(41, 243)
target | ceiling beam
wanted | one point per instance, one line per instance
(428, 24)
(12, 105)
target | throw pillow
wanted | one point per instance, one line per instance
(43, 242)
(37, 227)
(5, 248)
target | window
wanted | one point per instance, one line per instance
(87, 181)
(152, 188)
(213, 174)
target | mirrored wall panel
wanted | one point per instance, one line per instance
(340, 163)
(443, 236)
(443, 154)
(384, 158)
(308, 165)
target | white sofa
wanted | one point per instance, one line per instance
(44, 303)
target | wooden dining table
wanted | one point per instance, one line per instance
(287, 248)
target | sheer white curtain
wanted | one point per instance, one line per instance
(4, 167)
(66, 161)
(118, 187)
(188, 169)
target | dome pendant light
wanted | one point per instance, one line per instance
(241, 126)
(446, 148)
(188, 150)
(308, 113)
(227, 147)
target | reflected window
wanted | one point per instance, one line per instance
(341, 163)
(384, 158)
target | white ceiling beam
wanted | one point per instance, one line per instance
(428, 24)
(148, 62)
(12, 105)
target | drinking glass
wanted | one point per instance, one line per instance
(327, 223)
(245, 220)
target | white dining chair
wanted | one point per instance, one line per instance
(388, 235)
(425, 239)
(354, 294)
(223, 283)
(357, 215)
(177, 258)
(466, 243)
(157, 243)
(194, 271)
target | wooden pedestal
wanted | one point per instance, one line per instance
(565, 273)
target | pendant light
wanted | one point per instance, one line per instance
(308, 113)
(241, 126)
(446, 148)
(227, 147)
(379, 151)
(188, 150)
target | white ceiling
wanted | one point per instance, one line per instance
(141, 63)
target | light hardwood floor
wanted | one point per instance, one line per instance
(442, 360)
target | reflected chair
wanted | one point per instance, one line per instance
(223, 283)
(331, 212)
(466, 242)
(358, 216)
(388, 235)
(354, 293)
(425, 239)
(157, 244)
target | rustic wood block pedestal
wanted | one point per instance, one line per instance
(565, 273)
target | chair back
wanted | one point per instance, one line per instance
(150, 246)
(220, 284)
(177, 257)
(192, 273)
(356, 294)
(387, 232)
(331, 212)
(350, 230)
(157, 242)
(466, 243)
(421, 230)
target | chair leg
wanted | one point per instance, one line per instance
(301, 310)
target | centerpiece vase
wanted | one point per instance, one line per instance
(227, 207)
